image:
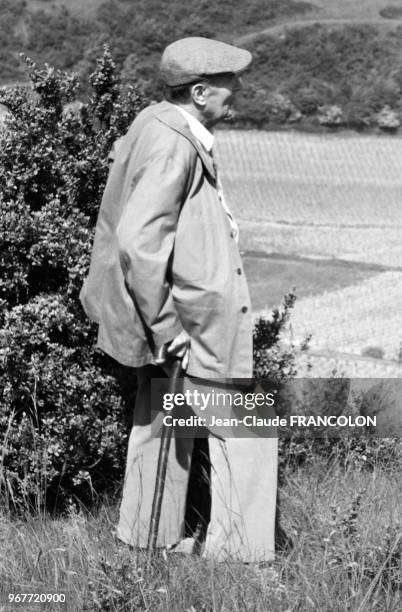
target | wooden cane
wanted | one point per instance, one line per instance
(161, 469)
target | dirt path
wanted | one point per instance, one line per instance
(300, 23)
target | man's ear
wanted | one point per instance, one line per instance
(198, 94)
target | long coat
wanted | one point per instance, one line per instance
(165, 257)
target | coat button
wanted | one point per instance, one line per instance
(239, 271)
(232, 234)
(244, 309)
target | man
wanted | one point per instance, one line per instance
(166, 272)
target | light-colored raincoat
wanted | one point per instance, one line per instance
(165, 256)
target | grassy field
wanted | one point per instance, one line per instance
(286, 271)
(346, 556)
(300, 179)
(322, 214)
(349, 320)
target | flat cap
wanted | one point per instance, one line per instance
(187, 59)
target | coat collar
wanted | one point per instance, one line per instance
(168, 114)
(198, 130)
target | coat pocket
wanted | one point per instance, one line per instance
(204, 321)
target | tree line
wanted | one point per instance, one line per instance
(342, 75)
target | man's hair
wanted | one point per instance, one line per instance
(181, 93)
(178, 93)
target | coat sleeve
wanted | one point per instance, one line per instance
(146, 234)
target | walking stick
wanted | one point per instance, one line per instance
(161, 469)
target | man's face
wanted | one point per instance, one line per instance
(219, 96)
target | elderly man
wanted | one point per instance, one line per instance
(166, 272)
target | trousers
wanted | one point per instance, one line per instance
(219, 493)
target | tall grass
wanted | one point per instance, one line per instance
(346, 555)
(344, 524)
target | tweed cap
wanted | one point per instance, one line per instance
(187, 59)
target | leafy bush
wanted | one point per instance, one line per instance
(273, 362)
(391, 12)
(60, 417)
(330, 115)
(388, 119)
(307, 100)
(353, 67)
(376, 352)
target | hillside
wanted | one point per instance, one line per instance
(317, 63)
(352, 9)
(67, 32)
(79, 8)
(322, 215)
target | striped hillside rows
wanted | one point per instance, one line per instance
(374, 245)
(351, 319)
(319, 180)
(334, 365)
(327, 196)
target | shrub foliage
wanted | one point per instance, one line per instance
(60, 410)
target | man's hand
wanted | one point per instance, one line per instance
(179, 347)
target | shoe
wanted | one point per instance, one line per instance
(186, 546)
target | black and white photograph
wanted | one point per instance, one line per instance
(201, 306)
